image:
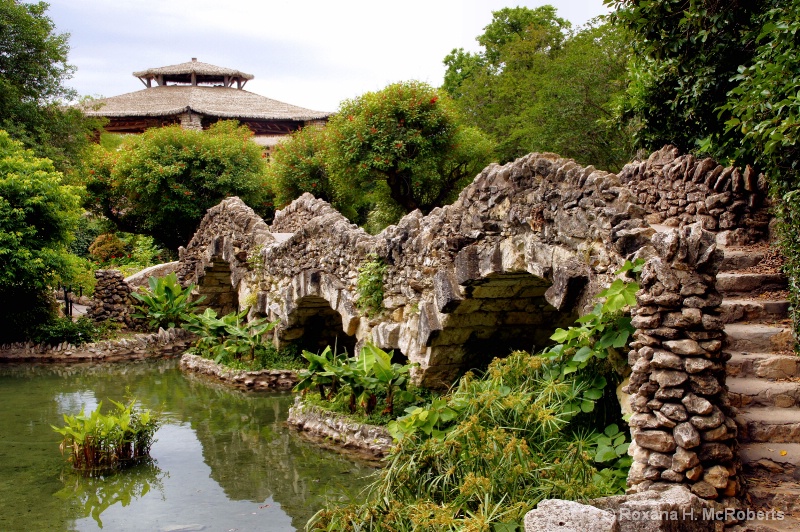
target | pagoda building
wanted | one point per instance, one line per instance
(195, 95)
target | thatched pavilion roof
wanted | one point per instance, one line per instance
(194, 72)
(221, 102)
(194, 66)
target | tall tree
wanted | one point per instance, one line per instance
(721, 78)
(539, 86)
(33, 70)
(37, 214)
(686, 53)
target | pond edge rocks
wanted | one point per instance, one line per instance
(371, 440)
(265, 379)
(164, 343)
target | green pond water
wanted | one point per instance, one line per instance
(223, 460)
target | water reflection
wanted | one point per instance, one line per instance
(94, 495)
(226, 459)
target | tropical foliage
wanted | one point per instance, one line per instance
(166, 304)
(493, 447)
(366, 381)
(96, 443)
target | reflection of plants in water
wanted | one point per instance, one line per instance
(94, 495)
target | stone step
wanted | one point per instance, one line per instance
(759, 338)
(754, 310)
(787, 524)
(749, 392)
(740, 259)
(769, 425)
(770, 458)
(767, 495)
(763, 365)
(733, 284)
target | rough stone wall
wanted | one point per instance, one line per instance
(682, 428)
(371, 440)
(523, 250)
(216, 257)
(524, 247)
(677, 190)
(265, 379)
(112, 299)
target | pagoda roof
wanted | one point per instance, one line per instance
(194, 72)
(221, 102)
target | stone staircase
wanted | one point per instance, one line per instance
(763, 377)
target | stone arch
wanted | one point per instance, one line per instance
(499, 313)
(500, 296)
(317, 311)
(313, 325)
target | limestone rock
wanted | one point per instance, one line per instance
(656, 440)
(556, 515)
(684, 459)
(686, 436)
(697, 405)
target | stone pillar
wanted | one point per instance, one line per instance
(190, 120)
(112, 299)
(682, 427)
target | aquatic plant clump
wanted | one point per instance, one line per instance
(96, 443)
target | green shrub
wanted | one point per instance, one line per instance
(166, 304)
(37, 214)
(106, 247)
(59, 330)
(161, 183)
(86, 231)
(481, 457)
(96, 443)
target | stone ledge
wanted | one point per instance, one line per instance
(265, 379)
(664, 508)
(369, 440)
(164, 343)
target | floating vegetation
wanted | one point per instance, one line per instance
(97, 443)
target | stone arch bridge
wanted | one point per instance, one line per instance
(521, 252)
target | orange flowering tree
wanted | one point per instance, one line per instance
(299, 165)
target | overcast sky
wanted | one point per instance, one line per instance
(311, 53)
